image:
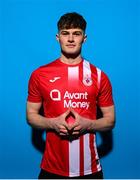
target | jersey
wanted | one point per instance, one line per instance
(60, 86)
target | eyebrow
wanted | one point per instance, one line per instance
(65, 31)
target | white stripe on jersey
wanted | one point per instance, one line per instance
(98, 77)
(87, 155)
(74, 146)
(74, 158)
(73, 73)
(86, 69)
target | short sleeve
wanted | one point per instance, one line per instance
(105, 97)
(34, 94)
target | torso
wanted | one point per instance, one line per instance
(65, 86)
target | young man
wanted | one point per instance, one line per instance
(70, 89)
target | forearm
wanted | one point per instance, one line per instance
(102, 124)
(38, 121)
(107, 121)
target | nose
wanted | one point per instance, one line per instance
(70, 38)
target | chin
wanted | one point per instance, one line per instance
(71, 53)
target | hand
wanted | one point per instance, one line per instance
(81, 124)
(59, 123)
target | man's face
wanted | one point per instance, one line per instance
(71, 40)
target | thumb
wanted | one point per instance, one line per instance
(66, 113)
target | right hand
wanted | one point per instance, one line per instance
(59, 123)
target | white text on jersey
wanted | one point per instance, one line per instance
(69, 100)
(75, 95)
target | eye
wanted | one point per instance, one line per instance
(77, 33)
(64, 33)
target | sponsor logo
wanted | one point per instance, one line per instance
(55, 95)
(54, 79)
(73, 100)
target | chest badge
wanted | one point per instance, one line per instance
(87, 81)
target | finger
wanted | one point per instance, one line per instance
(62, 134)
(74, 125)
(77, 128)
(64, 131)
(63, 115)
(62, 127)
(66, 112)
(65, 125)
(75, 133)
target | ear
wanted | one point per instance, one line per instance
(85, 38)
(57, 37)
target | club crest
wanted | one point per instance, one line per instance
(87, 81)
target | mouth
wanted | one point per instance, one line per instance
(70, 45)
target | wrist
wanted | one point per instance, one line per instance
(91, 125)
(50, 123)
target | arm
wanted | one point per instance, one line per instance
(36, 120)
(82, 124)
(107, 122)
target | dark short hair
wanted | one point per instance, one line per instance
(71, 20)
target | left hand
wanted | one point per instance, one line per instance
(80, 125)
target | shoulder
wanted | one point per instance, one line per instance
(98, 74)
(98, 71)
(44, 68)
(94, 69)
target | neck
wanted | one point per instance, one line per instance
(70, 59)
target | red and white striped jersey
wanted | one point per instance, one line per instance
(61, 86)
